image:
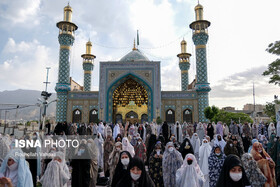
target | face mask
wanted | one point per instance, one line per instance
(275, 139)
(170, 149)
(118, 149)
(189, 162)
(139, 143)
(243, 136)
(230, 145)
(125, 161)
(158, 152)
(260, 151)
(13, 167)
(135, 176)
(235, 176)
(218, 154)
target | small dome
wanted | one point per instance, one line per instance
(183, 42)
(89, 43)
(134, 55)
(68, 7)
(199, 6)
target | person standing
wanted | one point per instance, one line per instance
(189, 174)
(172, 160)
(215, 162)
(265, 163)
(155, 165)
(121, 168)
(137, 176)
(253, 173)
(233, 173)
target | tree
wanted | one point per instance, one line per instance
(273, 68)
(270, 110)
(215, 114)
(211, 112)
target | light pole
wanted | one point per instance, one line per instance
(5, 120)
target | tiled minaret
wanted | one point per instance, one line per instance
(200, 38)
(66, 39)
(88, 66)
(184, 64)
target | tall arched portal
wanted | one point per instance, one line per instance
(130, 96)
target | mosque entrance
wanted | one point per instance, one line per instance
(130, 101)
(187, 116)
(77, 116)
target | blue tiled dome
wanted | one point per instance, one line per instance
(134, 55)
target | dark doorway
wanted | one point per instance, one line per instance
(77, 116)
(170, 116)
(187, 116)
(93, 116)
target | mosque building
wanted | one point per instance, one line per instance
(130, 89)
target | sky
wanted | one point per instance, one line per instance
(239, 34)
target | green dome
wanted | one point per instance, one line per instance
(134, 55)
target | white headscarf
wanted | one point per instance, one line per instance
(174, 131)
(126, 146)
(221, 143)
(116, 131)
(271, 129)
(21, 176)
(195, 141)
(204, 153)
(189, 175)
(57, 173)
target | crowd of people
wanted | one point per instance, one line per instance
(148, 155)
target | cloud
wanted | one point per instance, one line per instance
(239, 87)
(25, 65)
(18, 12)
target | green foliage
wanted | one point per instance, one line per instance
(215, 114)
(227, 117)
(273, 68)
(211, 112)
(270, 110)
(158, 120)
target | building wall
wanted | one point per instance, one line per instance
(75, 86)
(112, 74)
(84, 101)
(179, 101)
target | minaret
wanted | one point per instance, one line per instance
(184, 64)
(88, 66)
(66, 39)
(200, 38)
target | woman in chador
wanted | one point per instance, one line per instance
(57, 173)
(253, 173)
(233, 173)
(126, 146)
(121, 168)
(114, 157)
(204, 153)
(200, 131)
(155, 165)
(186, 148)
(189, 174)
(108, 148)
(171, 162)
(215, 162)
(195, 141)
(265, 163)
